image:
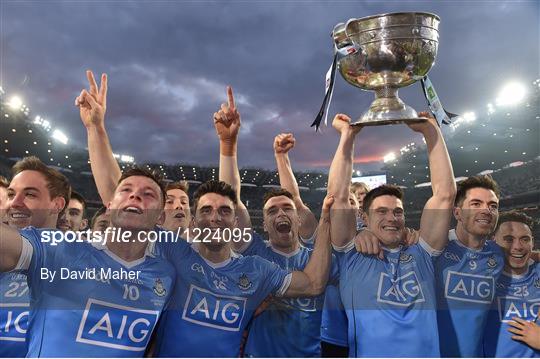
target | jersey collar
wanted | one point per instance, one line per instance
(148, 252)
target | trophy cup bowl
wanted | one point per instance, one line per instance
(392, 51)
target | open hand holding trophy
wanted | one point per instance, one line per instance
(382, 53)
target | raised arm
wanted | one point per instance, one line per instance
(343, 215)
(227, 123)
(283, 143)
(437, 212)
(312, 280)
(92, 106)
(10, 247)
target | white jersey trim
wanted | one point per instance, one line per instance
(26, 255)
(346, 248)
(285, 285)
(432, 251)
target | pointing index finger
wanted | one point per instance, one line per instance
(230, 97)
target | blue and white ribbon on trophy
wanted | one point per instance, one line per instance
(441, 115)
(329, 83)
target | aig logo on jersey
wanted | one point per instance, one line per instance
(214, 310)
(14, 319)
(469, 287)
(116, 326)
(404, 291)
(510, 307)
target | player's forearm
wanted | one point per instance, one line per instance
(340, 173)
(229, 173)
(228, 166)
(10, 248)
(343, 216)
(286, 175)
(105, 168)
(436, 216)
(443, 183)
(318, 266)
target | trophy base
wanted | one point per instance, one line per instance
(391, 121)
(388, 109)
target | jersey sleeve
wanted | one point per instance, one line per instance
(276, 280)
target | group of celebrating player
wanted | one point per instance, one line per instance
(355, 283)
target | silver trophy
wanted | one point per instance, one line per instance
(382, 53)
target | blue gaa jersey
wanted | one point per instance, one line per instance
(334, 325)
(465, 290)
(334, 319)
(288, 327)
(14, 312)
(88, 302)
(516, 296)
(390, 303)
(213, 303)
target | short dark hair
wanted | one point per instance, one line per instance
(143, 172)
(57, 184)
(79, 197)
(385, 189)
(98, 213)
(218, 187)
(276, 192)
(4, 182)
(515, 216)
(486, 182)
(181, 185)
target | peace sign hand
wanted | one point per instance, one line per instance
(92, 105)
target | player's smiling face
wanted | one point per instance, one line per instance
(29, 202)
(72, 218)
(516, 239)
(281, 221)
(137, 204)
(479, 212)
(386, 219)
(177, 212)
(215, 212)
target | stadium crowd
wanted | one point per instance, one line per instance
(279, 273)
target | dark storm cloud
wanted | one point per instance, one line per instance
(169, 62)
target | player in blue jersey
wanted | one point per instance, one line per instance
(35, 197)
(217, 292)
(511, 323)
(390, 303)
(288, 327)
(468, 269)
(82, 304)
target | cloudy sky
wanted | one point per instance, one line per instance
(169, 63)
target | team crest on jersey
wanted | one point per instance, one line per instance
(536, 282)
(492, 262)
(405, 258)
(244, 283)
(158, 288)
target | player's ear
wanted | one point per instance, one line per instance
(457, 213)
(161, 218)
(58, 204)
(84, 224)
